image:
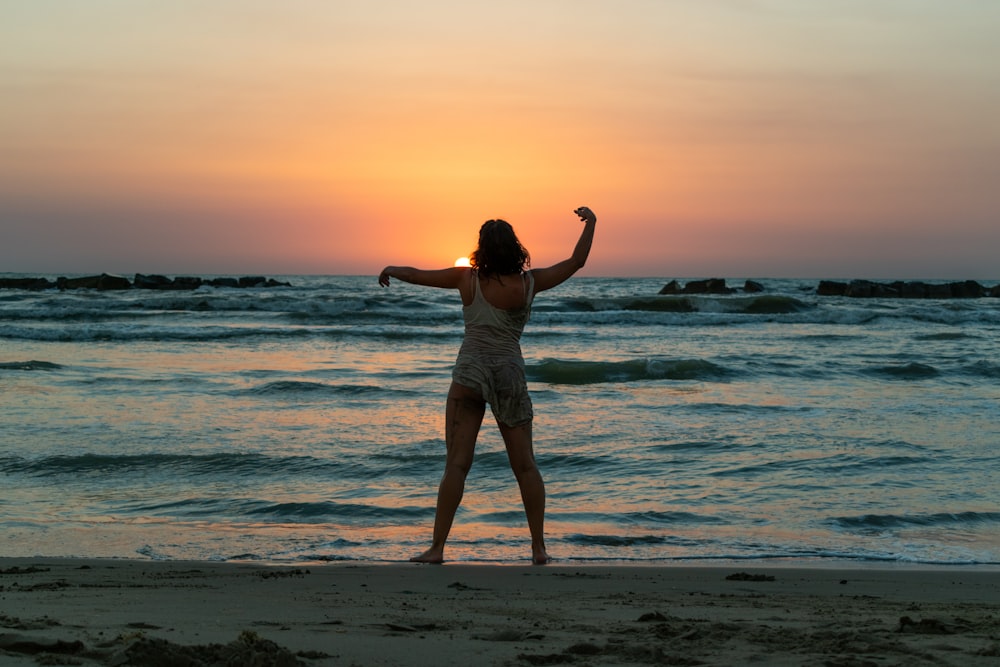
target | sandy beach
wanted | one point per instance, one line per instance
(120, 612)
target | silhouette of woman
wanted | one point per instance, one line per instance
(497, 291)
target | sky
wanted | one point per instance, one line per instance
(713, 138)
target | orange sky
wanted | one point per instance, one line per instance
(775, 138)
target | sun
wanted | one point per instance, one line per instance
(463, 261)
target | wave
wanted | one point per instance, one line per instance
(205, 333)
(984, 369)
(574, 371)
(32, 365)
(827, 464)
(289, 388)
(624, 540)
(211, 465)
(910, 371)
(281, 512)
(868, 522)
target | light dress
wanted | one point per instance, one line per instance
(490, 359)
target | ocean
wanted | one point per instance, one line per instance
(304, 424)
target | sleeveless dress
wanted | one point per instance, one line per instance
(490, 358)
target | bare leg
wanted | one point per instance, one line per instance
(521, 454)
(463, 417)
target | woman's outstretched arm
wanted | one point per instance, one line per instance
(558, 273)
(448, 278)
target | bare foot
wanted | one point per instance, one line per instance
(540, 558)
(432, 556)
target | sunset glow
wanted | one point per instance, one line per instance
(712, 138)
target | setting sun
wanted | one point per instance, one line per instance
(462, 261)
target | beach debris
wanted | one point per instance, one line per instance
(459, 586)
(46, 586)
(142, 625)
(510, 635)
(247, 649)
(282, 574)
(399, 627)
(15, 623)
(14, 643)
(31, 569)
(585, 648)
(652, 617)
(547, 659)
(928, 626)
(744, 576)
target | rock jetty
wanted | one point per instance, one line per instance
(913, 289)
(107, 281)
(710, 286)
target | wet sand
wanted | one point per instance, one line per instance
(120, 612)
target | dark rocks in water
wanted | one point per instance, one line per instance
(967, 289)
(187, 282)
(938, 292)
(913, 289)
(194, 282)
(709, 286)
(870, 289)
(673, 287)
(859, 289)
(831, 288)
(252, 281)
(26, 283)
(140, 281)
(102, 282)
(223, 282)
(163, 283)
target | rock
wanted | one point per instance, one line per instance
(253, 281)
(968, 289)
(223, 282)
(752, 286)
(913, 290)
(26, 283)
(673, 287)
(860, 289)
(102, 282)
(142, 281)
(187, 282)
(710, 286)
(938, 292)
(831, 288)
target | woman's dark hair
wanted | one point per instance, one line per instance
(499, 252)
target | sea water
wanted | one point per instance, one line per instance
(304, 423)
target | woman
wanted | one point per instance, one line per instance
(496, 292)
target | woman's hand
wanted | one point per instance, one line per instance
(586, 214)
(383, 278)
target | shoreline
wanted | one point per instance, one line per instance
(89, 611)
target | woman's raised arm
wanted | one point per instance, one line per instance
(558, 273)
